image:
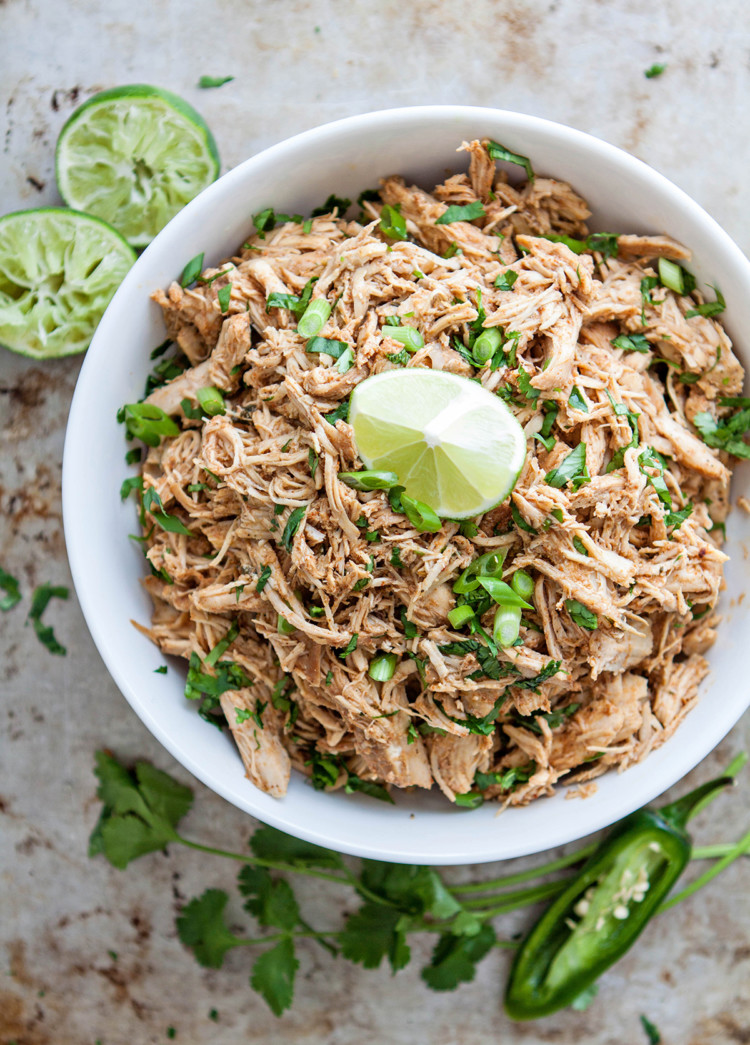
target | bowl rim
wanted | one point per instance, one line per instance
(620, 805)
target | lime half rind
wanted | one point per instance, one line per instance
(134, 156)
(454, 445)
(58, 272)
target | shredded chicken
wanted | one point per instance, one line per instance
(309, 580)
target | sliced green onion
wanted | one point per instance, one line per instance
(506, 626)
(283, 626)
(420, 514)
(382, 667)
(522, 584)
(675, 277)
(487, 344)
(211, 400)
(146, 422)
(314, 318)
(409, 337)
(346, 360)
(459, 615)
(367, 480)
(488, 565)
(502, 593)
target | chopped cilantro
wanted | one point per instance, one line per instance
(265, 573)
(576, 400)
(392, 224)
(292, 525)
(9, 584)
(192, 270)
(728, 432)
(330, 347)
(39, 601)
(604, 243)
(581, 615)
(571, 468)
(223, 296)
(709, 308)
(506, 280)
(466, 213)
(350, 646)
(632, 343)
(214, 81)
(332, 203)
(496, 151)
(653, 71)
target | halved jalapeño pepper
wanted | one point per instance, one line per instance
(604, 909)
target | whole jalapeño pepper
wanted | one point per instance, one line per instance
(604, 909)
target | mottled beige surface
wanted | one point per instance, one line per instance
(576, 61)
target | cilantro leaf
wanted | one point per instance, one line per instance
(506, 280)
(263, 576)
(39, 601)
(370, 934)
(272, 903)
(9, 585)
(509, 779)
(332, 202)
(676, 519)
(647, 285)
(709, 308)
(572, 467)
(292, 525)
(413, 889)
(604, 243)
(201, 927)
(214, 81)
(454, 958)
(728, 432)
(652, 1032)
(523, 377)
(649, 458)
(456, 213)
(141, 810)
(269, 844)
(392, 224)
(581, 614)
(208, 688)
(273, 976)
(496, 151)
(224, 295)
(327, 345)
(632, 343)
(576, 400)
(367, 787)
(192, 270)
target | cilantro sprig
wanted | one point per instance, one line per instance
(142, 808)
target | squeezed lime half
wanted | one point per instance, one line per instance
(58, 272)
(134, 156)
(454, 445)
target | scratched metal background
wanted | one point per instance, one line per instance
(90, 953)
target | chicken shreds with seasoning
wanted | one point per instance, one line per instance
(615, 516)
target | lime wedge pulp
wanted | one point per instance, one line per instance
(454, 445)
(135, 156)
(58, 272)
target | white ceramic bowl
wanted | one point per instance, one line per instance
(346, 157)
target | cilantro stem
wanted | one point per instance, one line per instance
(254, 941)
(740, 849)
(714, 852)
(277, 865)
(273, 865)
(525, 876)
(521, 898)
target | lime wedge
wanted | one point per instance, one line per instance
(134, 156)
(58, 272)
(454, 445)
